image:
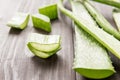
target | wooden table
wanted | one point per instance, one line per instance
(18, 63)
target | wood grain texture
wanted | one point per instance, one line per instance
(18, 63)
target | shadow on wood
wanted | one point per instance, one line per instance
(15, 31)
(40, 31)
(50, 59)
(44, 65)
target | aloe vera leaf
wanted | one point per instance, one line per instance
(109, 2)
(103, 23)
(46, 50)
(45, 47)
(19, 21)
(107, 40)
(40, 53)
(116, 17)
(42, 22)
(50, 11)
(91, 59)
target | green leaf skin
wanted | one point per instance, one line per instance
(91, 59)
(116, 17)
(109, 2)
(103, 23)
(107, 40)
(50, 11)
(19, 21)
(42, 22)
(44, 45)
(40, 53)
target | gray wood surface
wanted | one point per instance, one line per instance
(18, 63)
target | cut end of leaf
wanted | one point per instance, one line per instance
(19, 21)
(44, 45)
(42, 22)
(50, 11)
(37, 53)
(94, 74)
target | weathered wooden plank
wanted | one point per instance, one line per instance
(17, 62)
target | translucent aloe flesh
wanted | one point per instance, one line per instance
(91, 59)
(109, 2)
(44, 45)
(37, 53)
(42, 22)
(19, 21)
(116, 17)
(40, 53)
(50, 11)
(103, 23)
(107, 40)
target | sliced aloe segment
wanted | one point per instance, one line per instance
(107, 40)
(91, 59)
(19, 21)
(45, 47)
(44, 44)
(109, 2)
(50, 11)
(42, 22)
(116, 17)
(101, 20)
(38, 53)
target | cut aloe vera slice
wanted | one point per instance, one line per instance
(50, 11)
(42, 22)
(103, 23)
(91, 59)
(85, 22)
(45, 47)
(116, 17)
(47, 44)
(19, 21)
(109, 2)
(38, 53)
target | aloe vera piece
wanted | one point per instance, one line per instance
(91, 59)
(116, 17)
(40, 53)
(45, 47)
(109, 2)
(19, 21)
(50, 11)
(42, 45)
(101, 20)
(44, 39)
(107, 40)
(42, 22)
